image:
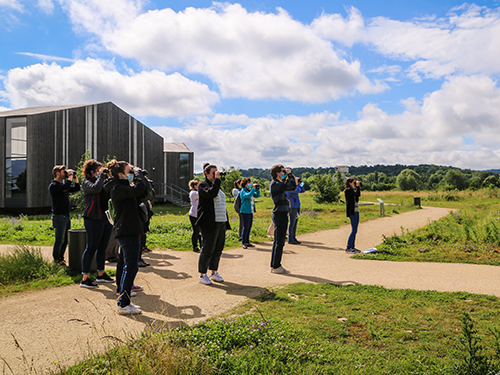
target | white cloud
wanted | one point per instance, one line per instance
(45, 57)
(46, 5)
(429, 131)
(12, 4)
(89, 81)
(4, 109)
(250, 55)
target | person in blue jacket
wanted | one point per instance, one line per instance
(293, 197)
(248, 194)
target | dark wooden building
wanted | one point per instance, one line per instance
(33, 140)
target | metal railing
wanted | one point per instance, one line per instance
(172, 193)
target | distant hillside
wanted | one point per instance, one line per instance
(424, 170)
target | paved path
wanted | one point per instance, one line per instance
(44, 329)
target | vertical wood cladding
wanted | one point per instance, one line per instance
(40, 158)
(63, 136)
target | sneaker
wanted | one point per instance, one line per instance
(137, 288)
(132, 294)
(104, 278)
(89, 284)
(352, 251)
(128, 310)
(196, 250)
(61, 262)
(136, 306)
(143, 263)
(250, 245)
(216, 277)
(112, 260)
(146, 249)
(294, 242)
(244, 246)
(205, 280)
(280, 270)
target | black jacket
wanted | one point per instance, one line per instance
(351, 196)
(207, 191)
(124, 198)
(96, 198)
(60, 196)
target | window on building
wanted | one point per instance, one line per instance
(15, 158)
(184, 171)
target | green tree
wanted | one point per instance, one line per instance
(491, 181)
(339, 180)
(232, 174)
(326, 191)
(455, 179)
(409, 180)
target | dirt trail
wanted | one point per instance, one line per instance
(42, 330)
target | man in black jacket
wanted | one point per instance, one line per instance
(213, 223)
(61, 206)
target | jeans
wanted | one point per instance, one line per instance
(280, 223)
(97, 233)
(130, 250)
(292, 228)
(247, 227)
(213, 244)
(240, 226)
(196, 236)
(61, 224)
(354, 229)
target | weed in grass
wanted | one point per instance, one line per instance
(25, 268)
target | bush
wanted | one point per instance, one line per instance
(326, 191)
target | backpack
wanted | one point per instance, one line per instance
(149, 193)
(237, 204)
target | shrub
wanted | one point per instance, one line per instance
(326, 191)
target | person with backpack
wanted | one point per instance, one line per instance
(193, 214)
(248, 194)
(128, 224)
(237, 204)
(97, 227)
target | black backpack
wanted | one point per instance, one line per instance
(149, 193)
(237, 204)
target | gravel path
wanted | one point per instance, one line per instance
(42, 330)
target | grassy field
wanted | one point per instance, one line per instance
(469, 235)
(324, 329)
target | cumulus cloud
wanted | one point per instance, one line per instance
(89, 81)
(250, 55)
(428, 131)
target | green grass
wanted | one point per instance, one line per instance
(24, 268)
(469, 235)
(323, 329)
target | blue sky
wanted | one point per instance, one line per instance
(255, 83)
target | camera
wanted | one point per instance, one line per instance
(74, 174)
(300, 180)
(222, 175)
(256, 186)
(105, 171)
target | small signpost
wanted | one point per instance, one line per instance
(382, 210)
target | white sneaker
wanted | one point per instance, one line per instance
(205, 280)
(280, 270)
(136, 306)
(128, 310)
(132, 294)
(216, 277)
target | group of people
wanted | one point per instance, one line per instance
(124, 185)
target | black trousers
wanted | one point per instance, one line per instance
(213, 244)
